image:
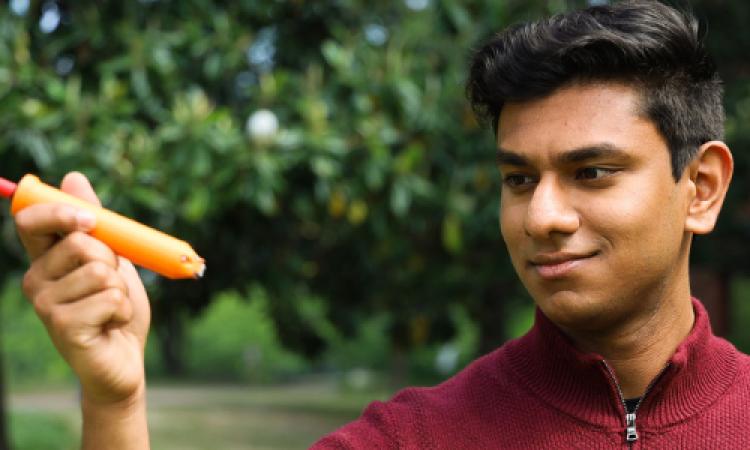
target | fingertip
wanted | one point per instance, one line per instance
(76, 183)
(75, 176)
(85, 220)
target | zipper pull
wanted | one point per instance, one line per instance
(631, 435)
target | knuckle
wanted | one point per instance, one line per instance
(116, 295)
(77, 243)
(58, 320)
(99, 273)
(76, 239)
(121, 308)
(42, 306)
(87, 248)
(62, 214)
(29, 284)
(23, 221)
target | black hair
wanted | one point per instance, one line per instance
(643, 43)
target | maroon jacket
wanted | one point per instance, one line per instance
(539, 392)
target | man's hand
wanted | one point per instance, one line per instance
(96, 311)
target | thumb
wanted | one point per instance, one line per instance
(76, 184)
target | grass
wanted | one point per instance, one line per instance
(197, 417)
(42, 431)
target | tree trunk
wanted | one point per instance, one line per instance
(399, 374)
(171, 339)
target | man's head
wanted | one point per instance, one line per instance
(606, 121)
(645, 44)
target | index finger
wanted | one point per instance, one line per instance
(40, 226)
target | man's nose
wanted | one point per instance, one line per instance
(550, 211)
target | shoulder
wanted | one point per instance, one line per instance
(730, 408)
(737, 367)
(743, 370)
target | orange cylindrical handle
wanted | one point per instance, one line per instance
(142, 245)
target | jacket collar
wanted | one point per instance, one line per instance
(579, 385)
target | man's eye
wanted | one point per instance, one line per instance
(518, 180)
(593, 173)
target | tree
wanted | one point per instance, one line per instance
(376, 166)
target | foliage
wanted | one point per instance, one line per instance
(431, 364)
(236, 339)
(740, 307)
(29, 357)
(321, 149)
(359, 196)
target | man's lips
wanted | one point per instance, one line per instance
(559, 264)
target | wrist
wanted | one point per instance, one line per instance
(97, 404)
(119, 424)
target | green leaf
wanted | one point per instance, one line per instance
(452, 234)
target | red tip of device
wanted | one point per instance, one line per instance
(7, 188)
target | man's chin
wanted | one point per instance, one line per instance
(572, 310)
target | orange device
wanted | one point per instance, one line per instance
(142, 245)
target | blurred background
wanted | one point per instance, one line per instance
(321, 156)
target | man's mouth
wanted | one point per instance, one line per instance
(559, 264)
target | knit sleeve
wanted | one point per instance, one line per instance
(373, 429)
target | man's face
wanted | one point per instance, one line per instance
(591, 215)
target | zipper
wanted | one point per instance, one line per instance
(631, 432)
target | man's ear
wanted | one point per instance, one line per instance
(709, 175)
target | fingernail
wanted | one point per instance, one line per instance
(85, 220)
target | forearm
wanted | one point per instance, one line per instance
(96, 311)
(120, 426)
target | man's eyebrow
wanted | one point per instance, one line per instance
(576, 155)
(509, 158)
(588, 152)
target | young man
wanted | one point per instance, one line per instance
(609, 127)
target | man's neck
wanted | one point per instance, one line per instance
(638, 352)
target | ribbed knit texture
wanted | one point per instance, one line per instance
(539, 392)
